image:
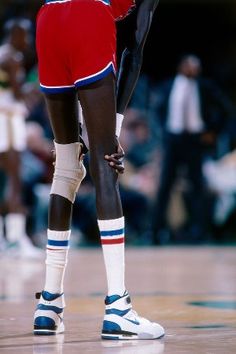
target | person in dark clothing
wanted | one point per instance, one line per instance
(192, 111)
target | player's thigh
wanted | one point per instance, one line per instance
(98, 102)
(63, 115)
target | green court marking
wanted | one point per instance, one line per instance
(209, 326)
(224, 305)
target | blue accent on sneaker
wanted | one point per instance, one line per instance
(44, 322)
(109, 337)
(117, 312)
(48, 296)
(110, 326)
(122, 323)
(48, 318)
(132, 321)
(49, 308)
(110, 299)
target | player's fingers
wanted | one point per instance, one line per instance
(116, 156)
(119, 168)
(113, 160)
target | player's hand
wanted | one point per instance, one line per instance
(116, 160)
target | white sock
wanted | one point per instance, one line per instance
(112, 240)
(56, 260)
(15, 226)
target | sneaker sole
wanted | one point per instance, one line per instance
(43, 332)
(49, 332)
(128, 336)
(118, 336)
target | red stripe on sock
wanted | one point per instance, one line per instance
(112, 241)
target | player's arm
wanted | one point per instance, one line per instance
(130, 66)
(132, 56)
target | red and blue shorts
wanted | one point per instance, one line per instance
(76, 42)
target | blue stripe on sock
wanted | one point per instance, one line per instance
(58, 243)
(112, 232)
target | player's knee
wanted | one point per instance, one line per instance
(69, 171)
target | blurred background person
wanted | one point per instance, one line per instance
(13, 112)
(220, 179)
(36, 174)
(138, 183)
(193, 111)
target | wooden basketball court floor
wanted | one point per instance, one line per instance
(191, 291)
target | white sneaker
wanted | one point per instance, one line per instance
(48, 318)
(122, 322)
(28, 250)
(3, 244)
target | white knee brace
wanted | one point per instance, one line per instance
(69, 171)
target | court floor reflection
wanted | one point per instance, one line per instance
(190, 291)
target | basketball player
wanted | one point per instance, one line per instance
(76, 44)
(13, 112)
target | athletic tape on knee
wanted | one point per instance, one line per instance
(69, 171)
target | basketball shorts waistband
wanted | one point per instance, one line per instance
(106, 2)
